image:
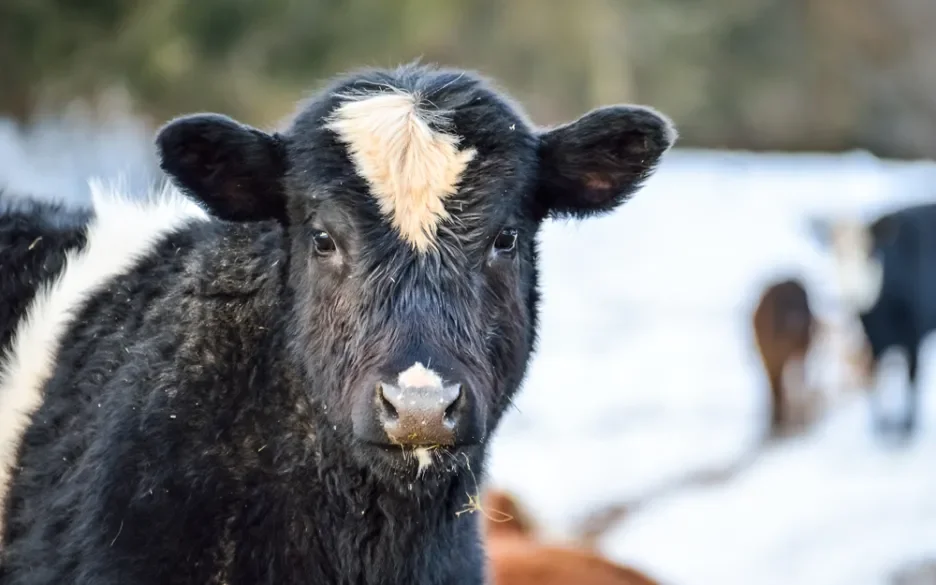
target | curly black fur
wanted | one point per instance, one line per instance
(34, 238)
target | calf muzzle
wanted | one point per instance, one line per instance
(420, 415)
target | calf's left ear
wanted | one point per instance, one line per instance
(594, 164)
(233, 170)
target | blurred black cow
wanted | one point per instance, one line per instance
(886, 275)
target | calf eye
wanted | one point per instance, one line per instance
(324, 244)
(506, 241)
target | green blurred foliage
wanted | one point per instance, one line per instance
(753, 74)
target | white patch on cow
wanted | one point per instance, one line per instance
(419, 376)
(803, 400)
(860, 275)
(423, 458)
(410, 167)
(122, 232)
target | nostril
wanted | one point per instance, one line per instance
(389, 410)
(455, 404)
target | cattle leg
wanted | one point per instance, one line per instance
(778, 415)
(908, 425)
(878, 419)
(882, 425)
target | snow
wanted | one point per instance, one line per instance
(53, 158)
(646, 372)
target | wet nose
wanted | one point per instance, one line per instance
(424, 413)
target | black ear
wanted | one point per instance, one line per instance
(597, 162)
(234, 170)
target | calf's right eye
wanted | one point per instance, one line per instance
(506, 240)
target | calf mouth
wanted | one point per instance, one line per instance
(422, 459)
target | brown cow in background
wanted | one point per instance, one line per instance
(516, 556)
(784, 327)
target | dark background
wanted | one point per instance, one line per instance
(739, 74)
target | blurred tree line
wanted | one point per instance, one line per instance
(746, 74)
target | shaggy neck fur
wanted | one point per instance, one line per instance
(410, 166)
(331, 516)
(122, 231)
(409, 530)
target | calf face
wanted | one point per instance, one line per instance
(856, 249)
(411, 199)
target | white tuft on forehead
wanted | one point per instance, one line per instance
(410, 167)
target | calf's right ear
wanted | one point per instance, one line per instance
(233, 170)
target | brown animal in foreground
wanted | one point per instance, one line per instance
(784, 327)
(517, 557)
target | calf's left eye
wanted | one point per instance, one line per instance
(323, 243)
(506, 240)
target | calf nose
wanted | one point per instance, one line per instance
(422, 414)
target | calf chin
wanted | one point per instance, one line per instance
(426, 471)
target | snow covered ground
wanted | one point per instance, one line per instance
(53, 158)
(646, 371)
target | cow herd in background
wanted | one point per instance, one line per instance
(888, 289)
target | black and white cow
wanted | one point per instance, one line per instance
(294, 381)
(34, 238)
(887, 277)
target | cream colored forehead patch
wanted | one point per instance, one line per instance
(410, 167)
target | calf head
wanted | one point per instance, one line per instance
(856, 248)
(412, 198)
